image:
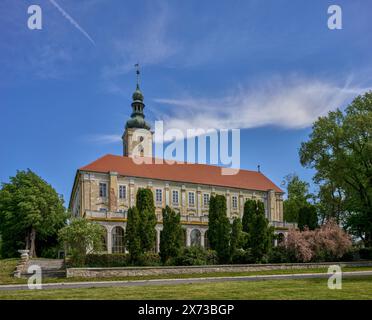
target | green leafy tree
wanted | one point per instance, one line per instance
(260, 234)
(81, 237)
(307, 218)
(249, 211)
(146, 209)
(330, 203)
(236, 236)
(219, 228)
(298, 196)
(340, 150)
(171, 238)
(133, 234)
(31, 212)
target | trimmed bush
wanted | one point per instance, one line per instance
(365, 253)
(241, 256)
(278, 255)
(351, 255)
(194, 256)
(148, 259)
(107, 260)
(121, 260)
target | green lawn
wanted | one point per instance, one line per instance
(7, 267)
(352, 288)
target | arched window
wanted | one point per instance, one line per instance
(195, 237)
(118, 240)
(280, 238)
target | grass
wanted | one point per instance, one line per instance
(7, 267)
(314, 289)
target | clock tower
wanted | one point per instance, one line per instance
(137, 137)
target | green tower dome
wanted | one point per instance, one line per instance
(137, 118)
(137, 95)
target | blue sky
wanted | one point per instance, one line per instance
(267, 67)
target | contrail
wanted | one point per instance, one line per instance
(73, 22)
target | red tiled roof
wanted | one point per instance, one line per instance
(182, 172)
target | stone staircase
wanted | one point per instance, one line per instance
(50, 268)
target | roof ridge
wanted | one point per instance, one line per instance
(182, 162)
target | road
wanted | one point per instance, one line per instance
(133, 283)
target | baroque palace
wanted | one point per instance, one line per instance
(104, 189)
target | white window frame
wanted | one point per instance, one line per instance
(232, 202)
(191, 195)
(206, 203)
(122, 187)
(159, 193)
(102, 192)
(174, 192)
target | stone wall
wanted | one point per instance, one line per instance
(151, 271)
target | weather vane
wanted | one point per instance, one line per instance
(138, 73)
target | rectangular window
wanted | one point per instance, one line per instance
(206, 199)
(235, 202)
(122, 192)
(175, 197)
(159, 195)
(103, 190)
(191, 199)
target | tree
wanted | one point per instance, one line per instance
(297, 197)
(249, 211)
(260, 234)
(30, 211)
(133, 234)
(171, 238)
(340, 150)
(330, 203)
(329, 242)
(307, 218)
(146, 209)
(219, 228)
(81, 237)
(236, 236)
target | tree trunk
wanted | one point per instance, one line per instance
(27, 242)
(32, 245)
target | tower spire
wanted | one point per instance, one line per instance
(137, 136)
(138, 74)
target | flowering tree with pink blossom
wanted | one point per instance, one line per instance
(329, 242)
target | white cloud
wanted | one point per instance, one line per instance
(291, 102)
(103, 138)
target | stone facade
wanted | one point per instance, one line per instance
(106, 198)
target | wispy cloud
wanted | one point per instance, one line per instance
(72, 21)
(102, 138)
(292, 103)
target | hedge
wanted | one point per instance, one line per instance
(365, 253)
